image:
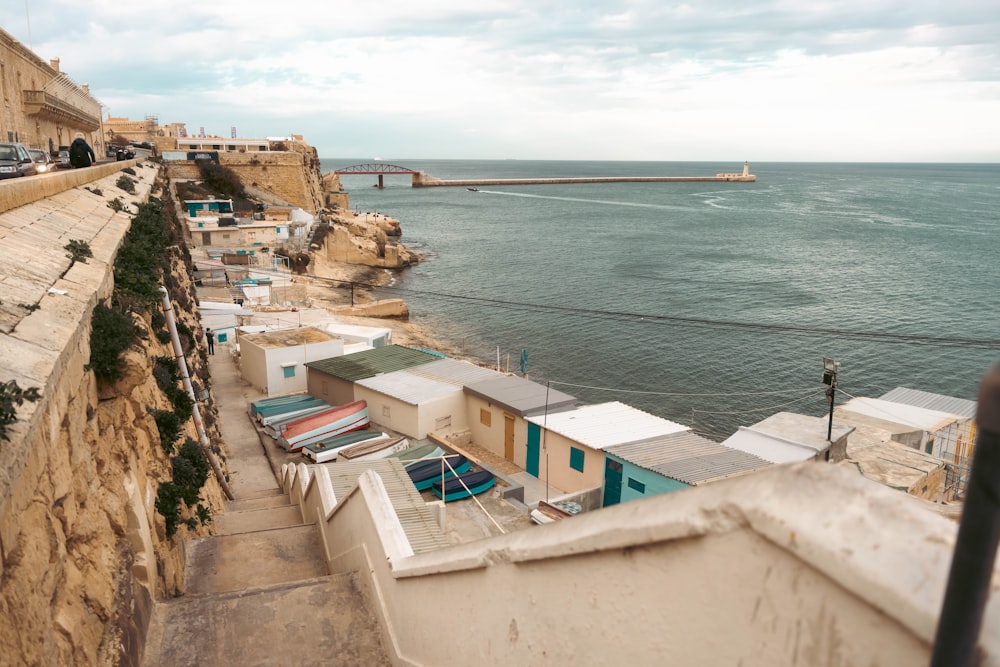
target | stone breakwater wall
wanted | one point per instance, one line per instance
(422, 180)
(83, 551)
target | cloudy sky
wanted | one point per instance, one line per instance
(719, 80)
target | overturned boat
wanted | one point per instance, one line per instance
(463, 486)
(301, 432)
(425, 473)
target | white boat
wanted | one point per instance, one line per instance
(329, 449)
(374, 449)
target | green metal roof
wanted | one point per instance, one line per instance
(361, 365)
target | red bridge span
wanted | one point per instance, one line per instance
(420, 179)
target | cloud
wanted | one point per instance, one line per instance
(614, 80)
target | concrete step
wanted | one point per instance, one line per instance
(274, 500)
(222, 563)
(247, 521)
(322, 621)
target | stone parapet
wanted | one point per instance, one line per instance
(16, 192)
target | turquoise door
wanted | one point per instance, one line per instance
(534, 438)
(612, 482)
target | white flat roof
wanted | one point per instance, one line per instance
(607, 424)
(924, 419)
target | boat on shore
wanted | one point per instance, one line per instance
(463, 486)
(425, 473)
(414, 455)
(328, 450)
(372, 450)
(324, 425)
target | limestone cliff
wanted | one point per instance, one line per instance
(363, 239)
(84, 548)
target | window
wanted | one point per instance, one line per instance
(576, 459)
(485, 417)
(385, 410)
(289, 371)
(637, 486)
(442, 423)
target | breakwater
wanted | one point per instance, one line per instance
(423, 180)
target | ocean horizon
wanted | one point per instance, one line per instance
(710, 304)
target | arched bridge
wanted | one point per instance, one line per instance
(376, 168)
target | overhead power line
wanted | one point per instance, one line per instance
(875, 336)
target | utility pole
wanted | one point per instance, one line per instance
(830, 368)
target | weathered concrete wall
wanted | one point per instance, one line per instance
(293, 174)
(82, 548)
(756, 571)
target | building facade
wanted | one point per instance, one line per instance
(42, 107)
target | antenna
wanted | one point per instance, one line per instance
(27, 19)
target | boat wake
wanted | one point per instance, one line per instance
(606, 202)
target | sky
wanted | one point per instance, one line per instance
(715, 80)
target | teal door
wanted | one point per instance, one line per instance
(534, 447)
(612, 482)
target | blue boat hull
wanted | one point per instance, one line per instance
(424, 474)
(453, 489)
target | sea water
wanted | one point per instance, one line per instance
(711, 304)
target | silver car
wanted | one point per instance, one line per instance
(15, 161)
(43, 161)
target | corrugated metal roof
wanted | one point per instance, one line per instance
(427, 382)
(925, 399)
(688, 458)
(607, 424)
(360, 365)
(409, 387)
(520, 396)
(420, 526)
(455, 371)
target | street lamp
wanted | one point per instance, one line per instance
(830, 368)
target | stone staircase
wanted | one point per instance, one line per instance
(257, 593)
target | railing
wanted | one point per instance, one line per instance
(41, 103)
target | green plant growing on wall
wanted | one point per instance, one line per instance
(167, 376)
(142, 259)
(168, 425)
(221, 179)
(125, 183)
(11, 398)
(111, 333)
(79, 250)
(116, 205)
(190, 471)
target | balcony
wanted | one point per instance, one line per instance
(42, 104)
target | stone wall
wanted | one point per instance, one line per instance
(23, 71)
(83, 548)
(293, 174)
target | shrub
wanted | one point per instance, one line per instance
(125, 183)
(221, 179)
(190, 472)
(79, 250)
(12, 397)
(169, 426)
(111, 333)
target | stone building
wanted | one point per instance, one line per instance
(43, 107)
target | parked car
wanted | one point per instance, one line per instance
(15, 161)
(43, 161)
(61, 159)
